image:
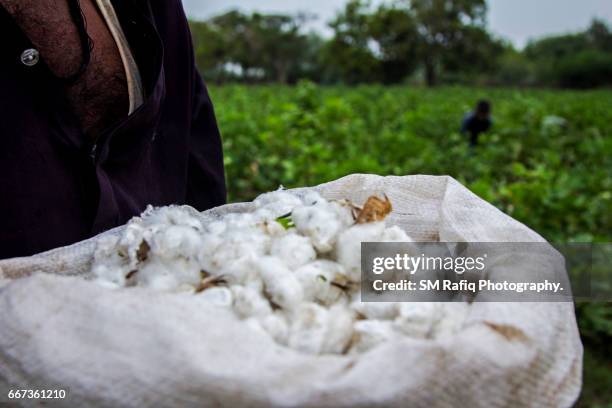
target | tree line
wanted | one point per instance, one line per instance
(420, 41)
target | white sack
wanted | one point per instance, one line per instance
(138, 348)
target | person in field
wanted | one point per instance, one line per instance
(477, 122)
(102, 112)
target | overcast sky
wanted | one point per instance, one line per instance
(517, 20)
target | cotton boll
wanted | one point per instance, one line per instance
(395, 234)
(279, 283)
(106, 246)
(108, 265)
(308, 328)
(278, 202)
(344, 212)
(278, 196)
(276, 326)
(210, 243)
(295, 250)
(249, 302)
(312, 198)
(238, 244)
(339, 329)
(254, 324)
(418, 319)
(237, 221)
(348, 248)
(267, 265)
(167, 274)
(217, 296)
(216, 227)
(371, 333)
(377, 310)
(263, 214)
(273, 228)
(319, 224)
(155, 276)
(108, 254)
(177, 241)
(239, 271)
(171, 215)
(133, 235)
(453, 316)
(316, 278)
(111, 276)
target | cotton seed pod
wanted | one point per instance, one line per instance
(294, 250)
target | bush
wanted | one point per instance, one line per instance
(587, 69)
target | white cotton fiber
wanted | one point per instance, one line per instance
(293, 249)
(348, 250)
(295, 279)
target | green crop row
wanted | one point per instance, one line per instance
(555, 176)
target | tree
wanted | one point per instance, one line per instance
(387, 44)
(444, 27)
(211, 52)
(349, 55)
(599, 35)
(394, 30)
(253, 47)
(282, 45)
(580, 60)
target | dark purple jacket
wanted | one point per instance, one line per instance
(56, 188)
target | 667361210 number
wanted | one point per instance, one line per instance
(36, 394)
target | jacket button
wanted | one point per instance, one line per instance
(30, 57)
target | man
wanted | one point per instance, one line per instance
(102, 112)
(477, 122)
